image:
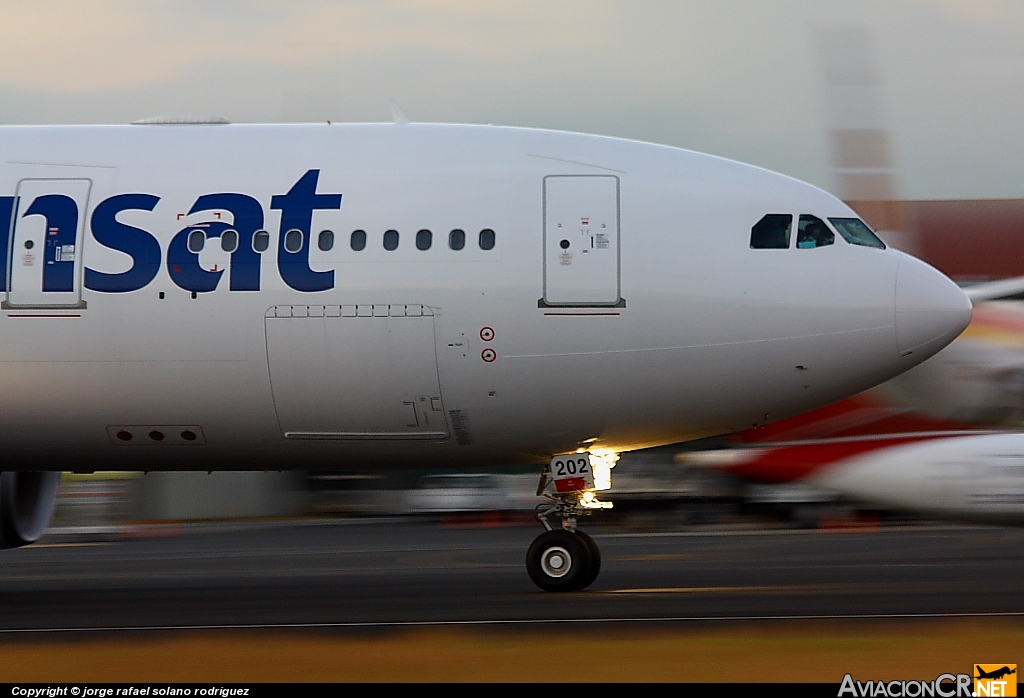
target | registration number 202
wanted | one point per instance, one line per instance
(572, 473)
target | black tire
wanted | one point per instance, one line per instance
(595, 559)
(27, 502)
(559, 561)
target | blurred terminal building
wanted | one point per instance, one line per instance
(652, 491)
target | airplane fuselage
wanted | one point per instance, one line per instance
(333, 296)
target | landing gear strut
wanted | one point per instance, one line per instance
(568, 559)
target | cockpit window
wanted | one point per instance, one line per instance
(771, 232)
(856, 232)
(812, 232)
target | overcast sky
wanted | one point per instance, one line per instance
(738, 78)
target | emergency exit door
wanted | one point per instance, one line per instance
(45, 253)
(581, 240)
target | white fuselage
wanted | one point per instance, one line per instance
(658, 323)
(974, 478)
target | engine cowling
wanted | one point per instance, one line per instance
(27, 502)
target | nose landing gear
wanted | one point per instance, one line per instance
(569, 559)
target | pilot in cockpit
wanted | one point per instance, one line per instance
(812, 233)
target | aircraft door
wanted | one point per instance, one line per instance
(355, 373)
(581, 241)
(45, 267)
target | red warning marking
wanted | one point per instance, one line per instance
(177, 269)
(180, 216)
(570, 484)
(489, 355)
(217, 213)
(487, 334)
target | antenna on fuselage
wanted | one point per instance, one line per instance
(397, 114)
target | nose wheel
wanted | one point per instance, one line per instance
(563, 561)
(567, 559)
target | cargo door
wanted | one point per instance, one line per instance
(355, 372)
(581, 241)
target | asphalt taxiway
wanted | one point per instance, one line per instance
(344, 574)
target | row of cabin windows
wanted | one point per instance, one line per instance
(325, 240)
(773, 232)
(424, 240)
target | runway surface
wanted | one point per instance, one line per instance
(405, 572)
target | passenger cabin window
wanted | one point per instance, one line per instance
(391, 240)
(771, 232)
(856, 232)
(457, 239)
(325, 242)
(229, 240)
(812, 232)
(486, 239)
(424, 239)
(358, 240)
(293, 240)
(260, 241)
(196, 241)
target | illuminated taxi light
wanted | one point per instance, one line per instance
(601, 463)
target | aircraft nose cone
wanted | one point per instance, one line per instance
(931, 311)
